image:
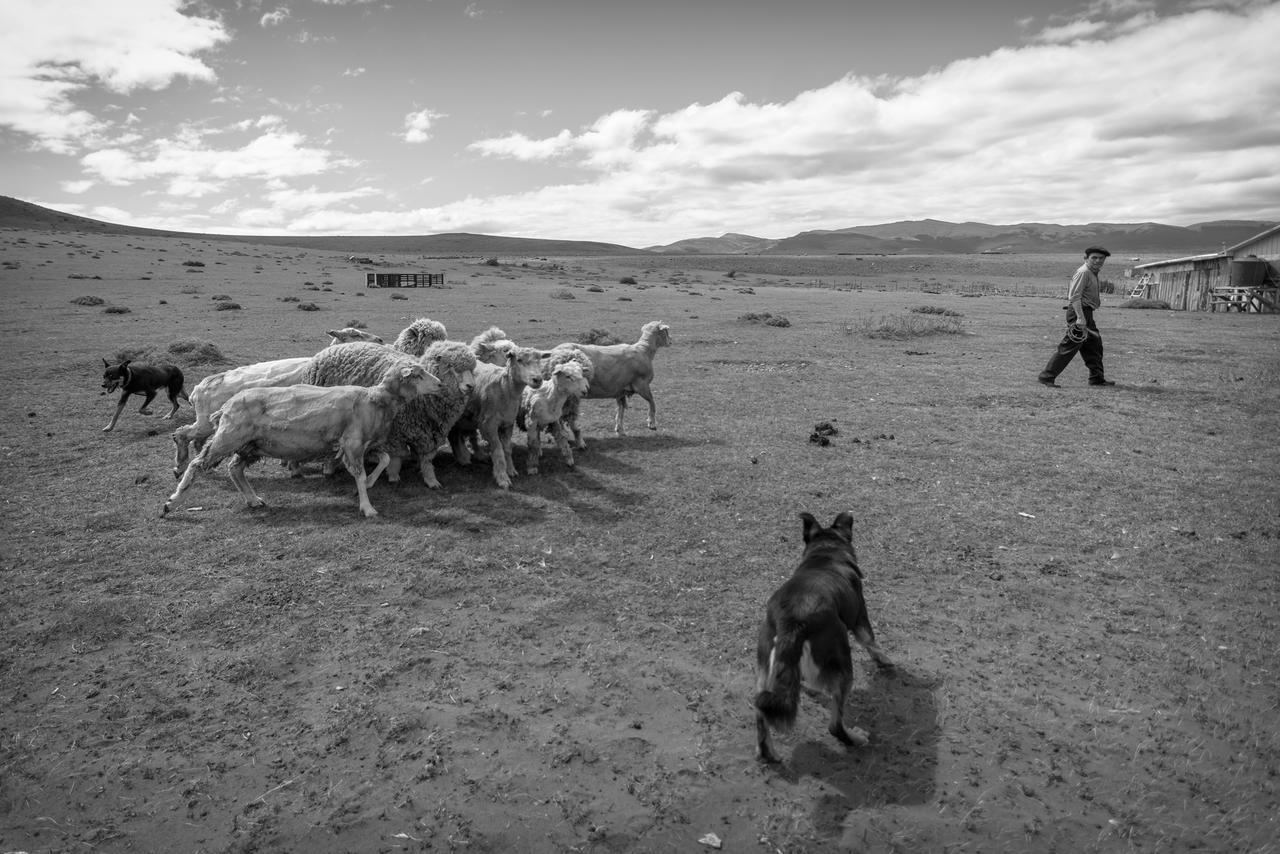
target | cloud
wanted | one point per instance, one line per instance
(75, 188)
(274, 18)
(52, 50)
(192, 168)
(417, 126)
(1112, 123)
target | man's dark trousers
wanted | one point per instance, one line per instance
(1090, 349)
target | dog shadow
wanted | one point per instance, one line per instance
(898, 767)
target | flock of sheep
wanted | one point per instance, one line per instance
(407, 399)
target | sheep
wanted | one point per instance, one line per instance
(424, 424)
(418, 335)
(543, 408)
(495, 400)
(572, 404)
(349, 333)
(212, 392)
(625, 369)
(299, 422)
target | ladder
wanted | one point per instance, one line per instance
(1139, 288)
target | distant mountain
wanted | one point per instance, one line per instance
(913, 237)
(15, 213)
(931, 236)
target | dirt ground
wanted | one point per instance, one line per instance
(1080, 591)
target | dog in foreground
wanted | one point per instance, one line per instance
(805, 634)
(146, 380)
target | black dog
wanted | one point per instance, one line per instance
(805, 634)
(142, 379)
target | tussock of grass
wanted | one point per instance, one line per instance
(196, 352)
(309, 306)
(562, 293)
(899, 327)
(117, 309)
(1139, 302)
(228, 306)
(598, 336)
(88, 300)
(767, 318)
(935, 309)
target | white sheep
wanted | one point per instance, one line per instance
(348, 334)
(543, 408)
(423, 425)
(300, 422)
(418, 335)
(624, 369)
(495, 400)
(212, 393)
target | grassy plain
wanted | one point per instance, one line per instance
(1079, 585)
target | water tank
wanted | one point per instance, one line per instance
(1248, 272)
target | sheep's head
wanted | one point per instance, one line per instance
(492, 346)
(454, 359)
(525, 365)
(410, 381)
(658, 332)
(551, 359)
(568, 375)
(417, 336)
(350, 333)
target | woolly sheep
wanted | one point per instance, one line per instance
(423, 425)
(625, 369)
(296, 423)
(418, 335)
(495, 400)
(543, 408)
(572, 404)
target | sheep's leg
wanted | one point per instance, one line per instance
(201, 461)
(181, 448)
(426, 453)
(116, 417)
(498, 457)
(383, 460)
(562, 442)
(653, 408)
(617, 420)
(504, 436)
(143, 409)
(533, 446)
(236, 473)
(393, 470)
(458, 444)
(353, 459)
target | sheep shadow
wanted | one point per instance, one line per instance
(897, 768)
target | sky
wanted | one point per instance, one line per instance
(639, 122)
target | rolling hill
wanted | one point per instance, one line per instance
(924, 237)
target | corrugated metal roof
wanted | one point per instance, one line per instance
(1210, 257)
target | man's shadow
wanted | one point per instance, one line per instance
(898, 767)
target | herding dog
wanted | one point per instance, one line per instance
(805, 634)
(142, 379)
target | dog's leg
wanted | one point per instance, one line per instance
(864, 636)
(764, 749)
(855, 737)
(173, 398)
(151, 395)
(116, 417)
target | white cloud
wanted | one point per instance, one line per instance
(275, 18)
(192, 168)
(417, 126)
(75, 188)
(1121, 127)
(50, 50)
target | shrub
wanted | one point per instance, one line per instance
(627, 280)
(598, 336)
(357, 324)
(308, 306)
(87, 300)
(398, 296)
(766, 318)
(290, 299)
(193, 263)
(562, 294)
(197, 352)
(228, 306)
(595, 289)
(905, 326)
(777, 320)
(934, 309)
(491, 262)
(732, 274)
(117, 309)
(1139, 302)
(221, 297)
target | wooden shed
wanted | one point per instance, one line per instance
(1244, 277)
(403, 280)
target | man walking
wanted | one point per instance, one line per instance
(1083, 298)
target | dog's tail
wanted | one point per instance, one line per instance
(779, 694)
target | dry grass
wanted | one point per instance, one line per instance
(1078, 585)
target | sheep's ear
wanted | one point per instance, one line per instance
(843, 525)
(332, 333)
(811, 526)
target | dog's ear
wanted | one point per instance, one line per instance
(843, 525)
(105, 364)
(125, 363)
(811, 526)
